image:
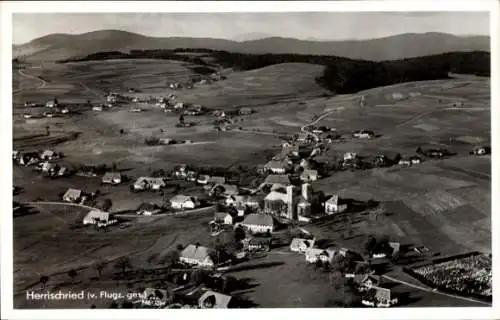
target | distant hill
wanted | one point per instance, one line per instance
(63, 46)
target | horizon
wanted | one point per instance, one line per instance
(310, 26)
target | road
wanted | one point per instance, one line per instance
(303, 128)
(435, 291)
(43, 83)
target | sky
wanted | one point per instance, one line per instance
(312, 25)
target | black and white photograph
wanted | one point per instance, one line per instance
(248, 159)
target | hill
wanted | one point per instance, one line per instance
(63, 46)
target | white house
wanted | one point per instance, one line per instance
(112, 178)
(99, 218)
(315, 254)
(48, 155)
(301, 245)
(258, 223)
(196, 255)
(145, 183)
(332, 205)
(203, 179)
(148, 209)
(183, 202)
(309, 175)
(72, 195)
(350, 156)
(223, 217)
(405, 162)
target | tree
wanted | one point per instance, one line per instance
(181, 119)
(99, 266)
(123, 264)
(43, 281)
(107, 204)
(179, 247)
(239, 234)
(152, 258)
(47, 130)
(370, 245)
(122, 131)
(72, 274)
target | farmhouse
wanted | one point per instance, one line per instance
(48, 155)
(48, 167)
(234, 200)
(184, 202)
(179, 105)
(149, 183)
(415, 159)
(315, 254)
(51, 103)
(99, 218)
(258, 223)
(405, 162)
(277, 180)
(309, 175)
(224, 189)
(216, 180)
(257, 244)
(97, 108)
(203, 179)
(245, 111)
(279, 167)
(112, 178)
(350, 156)
(332, 205)
(72, 195)
(301, 245)
(196, 255)
(290, 149)
(223, 217)
(481, 150)
(148, 209)
(214, 300)
(363, 134)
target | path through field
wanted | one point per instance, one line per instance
(41, 86)
(434, 291)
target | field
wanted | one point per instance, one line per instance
(444, 205)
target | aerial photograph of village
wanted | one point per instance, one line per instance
(251, 160)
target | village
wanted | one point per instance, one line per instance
(257, 208)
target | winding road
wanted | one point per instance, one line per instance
(43, 83)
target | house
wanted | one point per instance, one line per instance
(223, 217)
(257, 244)
(258, 223)
(149, 183)
(301, 245)
(157, 298)
(214, 300)
(480, 151)
(15, 154)
(395, 247)
(245, 111)
(277, 181)
(63, 171)
(332, 205)
(203, 179)
(184, 202)
(363, 134)
(181, 171)
(252, 202)
(309, 175)
(234, 200)
(97, 108)
(241, 210)
(179, 105)
(278, 167)
(196, 255)
(315, 254)
(415, 160)
(214, 180)
(27, 116)
(47, 167)
(405, 162)
(51, 104)
(48, 155)
(148, 209)
(99, 218)
(191, 176)
(72, 195)
(304, 137)
(368, 281)
(112, 178)
(350, 156)
(224, 189)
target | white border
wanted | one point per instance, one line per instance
(6, 10)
